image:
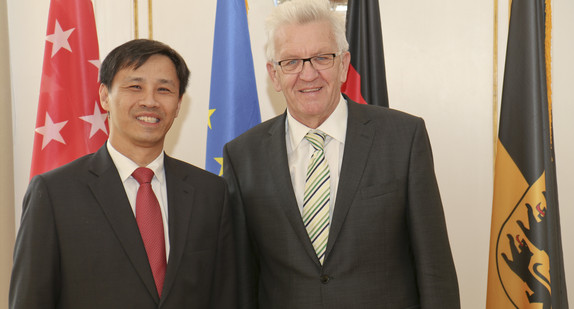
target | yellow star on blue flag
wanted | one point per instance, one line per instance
(220, 161)
(211, 111)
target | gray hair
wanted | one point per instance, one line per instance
(303, 12)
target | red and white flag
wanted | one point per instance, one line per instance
(70, 121)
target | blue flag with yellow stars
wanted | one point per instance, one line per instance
(233, 103)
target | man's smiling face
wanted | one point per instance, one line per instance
(311, 95)
(142, 104)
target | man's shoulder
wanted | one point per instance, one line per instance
(66, 178)
(261, 130)
(381, 111)
(190, 171)
(383, 116)
(66, 171)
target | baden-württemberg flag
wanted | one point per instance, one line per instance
(526, 268)
(233, 103)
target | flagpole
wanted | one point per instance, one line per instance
(136, 20)
(495, 85)
(150, 19)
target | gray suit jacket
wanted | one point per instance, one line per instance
(79, 245)
(388, 245)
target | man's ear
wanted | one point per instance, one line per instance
(345, 62)
(104, 97)
(272, 71)
(178, 107)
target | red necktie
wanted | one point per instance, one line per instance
(150, 223)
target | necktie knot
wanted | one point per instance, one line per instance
(143, 175)
(316, 138)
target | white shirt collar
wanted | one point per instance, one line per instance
(126, 166)
(335, 126)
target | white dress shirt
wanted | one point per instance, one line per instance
(126, 167)
(299, 150)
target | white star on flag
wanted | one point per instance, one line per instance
(51, 131)
(51, 86)
(97, 63)
(59, 39)
(97, 120)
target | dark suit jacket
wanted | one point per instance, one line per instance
(79, 245)
(388, 245)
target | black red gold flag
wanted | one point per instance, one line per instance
(526, 267)
(366, 82)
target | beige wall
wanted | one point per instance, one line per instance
(439, 57)
(6, 162)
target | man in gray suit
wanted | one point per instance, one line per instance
(335, 204)
(92, 237)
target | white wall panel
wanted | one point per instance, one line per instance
(6, 159)
(27, 22)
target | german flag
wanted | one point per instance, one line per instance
(526, 268)
(366, 82)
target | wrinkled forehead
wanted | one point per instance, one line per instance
(304, 39)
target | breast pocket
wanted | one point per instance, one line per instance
(378, 190)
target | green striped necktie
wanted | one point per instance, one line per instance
(317, 195)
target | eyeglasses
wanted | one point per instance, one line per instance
(319, 62)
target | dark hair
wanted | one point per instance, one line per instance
(134, 54)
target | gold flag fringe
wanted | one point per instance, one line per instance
(548, 60)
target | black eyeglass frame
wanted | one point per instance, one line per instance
(280, 63)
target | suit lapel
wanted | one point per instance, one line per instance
(358, 143)
(179, 195)
(278, 164)
(110, 194)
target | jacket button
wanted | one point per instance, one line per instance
(325, 279)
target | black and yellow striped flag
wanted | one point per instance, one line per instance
(526, 268)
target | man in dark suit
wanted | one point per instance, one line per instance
(83, 242)
(335, 204)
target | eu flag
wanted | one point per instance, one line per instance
(233, 103)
